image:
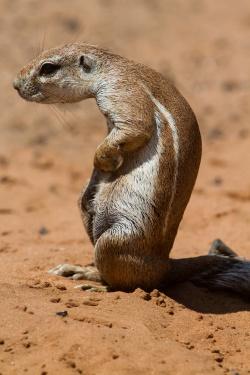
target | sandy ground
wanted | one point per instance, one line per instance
(204, 46)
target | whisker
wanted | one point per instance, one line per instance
(75, 119)
(64, 122)
(70, 125)
(43, 42)
(59, 121)
(55, 114)
(63, 98)
(37, 49)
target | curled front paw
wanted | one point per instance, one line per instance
(108, 160)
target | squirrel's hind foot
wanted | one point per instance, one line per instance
(76, 272)
(219, 248)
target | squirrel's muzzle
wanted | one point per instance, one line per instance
(16, 84)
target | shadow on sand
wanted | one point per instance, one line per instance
(207, 301)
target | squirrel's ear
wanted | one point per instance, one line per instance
(87, 63)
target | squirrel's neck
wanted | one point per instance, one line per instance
(103, 94)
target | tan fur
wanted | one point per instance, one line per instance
(144, 170)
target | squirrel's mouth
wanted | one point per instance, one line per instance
(39, 97)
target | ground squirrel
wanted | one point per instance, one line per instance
(144, 170)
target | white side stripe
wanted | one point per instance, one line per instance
(171, 122)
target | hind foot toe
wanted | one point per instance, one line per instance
(94, 288)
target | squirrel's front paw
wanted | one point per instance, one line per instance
(108, 160)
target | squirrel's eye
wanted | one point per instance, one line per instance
(48, 69)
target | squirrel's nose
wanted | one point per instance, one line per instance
(16, 84)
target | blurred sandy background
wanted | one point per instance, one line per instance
(204, 47)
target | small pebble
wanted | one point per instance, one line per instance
(217, 181)
(26, 344)
(163, 295)
(71, 304)
(219, 359)
(210, 336)
(6, 211)
(60, 287)
(8, 349)
(90, 302)
(55, 300)
(6, 233)
(62, 313)
(215, 134)
(45, 284)
(71, 364)
(142, 294)
(230, 85)
(43, 231)
(155, 293)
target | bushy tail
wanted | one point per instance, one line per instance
(222, 269)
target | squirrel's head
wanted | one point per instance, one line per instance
(62, 75)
